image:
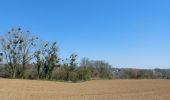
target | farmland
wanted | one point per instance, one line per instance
(12, 89)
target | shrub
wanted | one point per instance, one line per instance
(73, 76)
(59, 74)
(84, 74)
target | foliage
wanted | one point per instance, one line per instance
(51, 59)
(73, 76)
(97, 68)
(25, 56)
(59, 74)
(70, 67)
(84, 73)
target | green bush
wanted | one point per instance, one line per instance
(84, 74)
(73, 76)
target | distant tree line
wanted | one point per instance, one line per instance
(27, 57)
(132, 73)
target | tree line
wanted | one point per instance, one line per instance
(28, 57)
(132, 73)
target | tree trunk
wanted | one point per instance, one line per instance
(14, 71)
(14, 75)
(23, 70)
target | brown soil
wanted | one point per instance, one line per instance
(11, 89)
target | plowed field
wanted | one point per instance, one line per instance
(11, 89)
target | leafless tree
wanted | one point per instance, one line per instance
(17, 47)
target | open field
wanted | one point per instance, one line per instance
(91, 90)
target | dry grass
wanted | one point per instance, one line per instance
(91, 90)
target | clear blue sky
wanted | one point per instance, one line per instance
(126, 33)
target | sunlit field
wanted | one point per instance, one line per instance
(11, 89)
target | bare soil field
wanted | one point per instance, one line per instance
(91, 90)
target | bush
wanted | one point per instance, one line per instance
(84, 74)
(98, 68)
(59, 74)
(73, 76)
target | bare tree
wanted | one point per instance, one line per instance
(17, 46)
(26, 49)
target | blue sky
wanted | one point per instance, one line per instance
(126, 33)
